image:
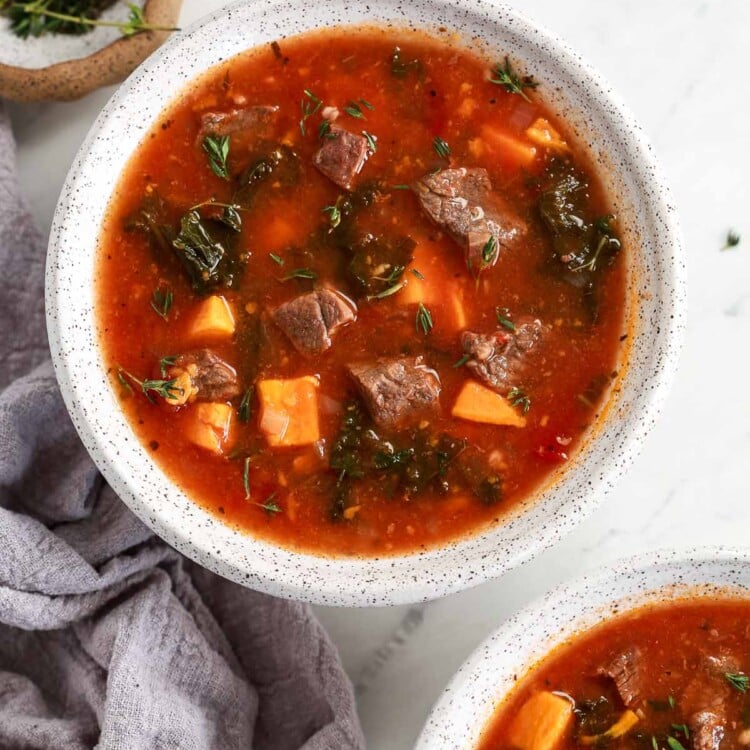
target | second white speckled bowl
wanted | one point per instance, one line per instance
(656, 313)
(488, 675)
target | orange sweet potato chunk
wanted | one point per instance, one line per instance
(289, 411)
(213, 319)
(481, 404)
(210, 425)
(541, 723)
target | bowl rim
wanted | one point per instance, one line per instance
(367, 581)
(616, 574)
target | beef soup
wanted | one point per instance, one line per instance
(666, 677)
(361, 293)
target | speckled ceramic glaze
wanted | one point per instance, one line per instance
(467, 704)
(655, 314)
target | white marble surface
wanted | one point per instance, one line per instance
(680, 66)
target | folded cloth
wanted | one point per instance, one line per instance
(109, 637)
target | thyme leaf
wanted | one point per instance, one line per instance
(217, 151)
(738, 681)
(511, 81)
(518, 397)
(309, 106)
(243, 411)
(161, 301)
(424, 319)
(441, 147)
(301, 273)
(164, 388)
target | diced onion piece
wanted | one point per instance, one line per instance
(541, 723)
(481, 404)
(213, 319)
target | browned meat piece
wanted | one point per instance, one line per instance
(342, 156)
(706, 730)
(244, 118)
(394, 389)
(204, 376)
(311, 319)
(623, 670)
(497, 358)
(461, 202)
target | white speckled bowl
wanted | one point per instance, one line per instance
(487, 676)
(656, 313)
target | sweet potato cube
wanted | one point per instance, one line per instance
(210, 425)
(289, 411)
(420, 289)
(481, 404)
(543, 134)
(541, 723)
(213, 319)
(507, 147)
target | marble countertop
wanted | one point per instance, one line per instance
(680, 66)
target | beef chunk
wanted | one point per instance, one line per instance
(706, 730)
(256, 119)
(461, 202)
(394, 389)
(342, 156)
(623, 670)
(311, 319)
(497, 358)
(204, 376)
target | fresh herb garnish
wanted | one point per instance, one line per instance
(309, 106)
(388, 292)
(424, 319)
(511, 81)
(366, 104)
(354, 110)
(324, 131)
(301, 273)
(654, 743)
(268, 505)
(605, 238)
(334, 214)
(674, 743)
(243, 411)
(671, 701)
(738, 680)
(683, 728)
(399, 66)
(230, 216)
(217, 150)
(503, 318)
(371, 141)
(276, 259)
(461, 362)
(65, 17)
(441, 147)
(489, 251)
(400, 187)
(246, 477)
(164, 388)
(161, 301)
(518, 397)
(165, 362)
(732, 240)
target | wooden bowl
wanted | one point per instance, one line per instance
(64, 67)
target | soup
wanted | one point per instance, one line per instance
(668, 677)
(361, 293)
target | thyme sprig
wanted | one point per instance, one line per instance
(217, 151)
(167, 389)
(511, 81)
(161, 301)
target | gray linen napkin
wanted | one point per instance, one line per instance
(108, 637)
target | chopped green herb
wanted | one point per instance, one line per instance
(324, 131)
(683, 728)
(388, 292)
(733, 239)
(738, 681)
(418, 274)
(441, 147)
(334, 214)
(276, 259)
(517, 397)
(246, 477)
(309, 106)
(511, 81)
(165, 362)
(400, 187)
(461, 362)
(503, 318)
(268, 505)
(124, 381)
(656, 705)
(366, 104)
(217, 150)
(161, 301)
(243, 411)
(671, 701)
(489, 251)
(424, 319)
(371, 141)
(354, 110)
(301, 273)
(675, 744)
(654, 743)
(164, 388)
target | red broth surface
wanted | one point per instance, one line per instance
(445, 475)
(682, 674)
